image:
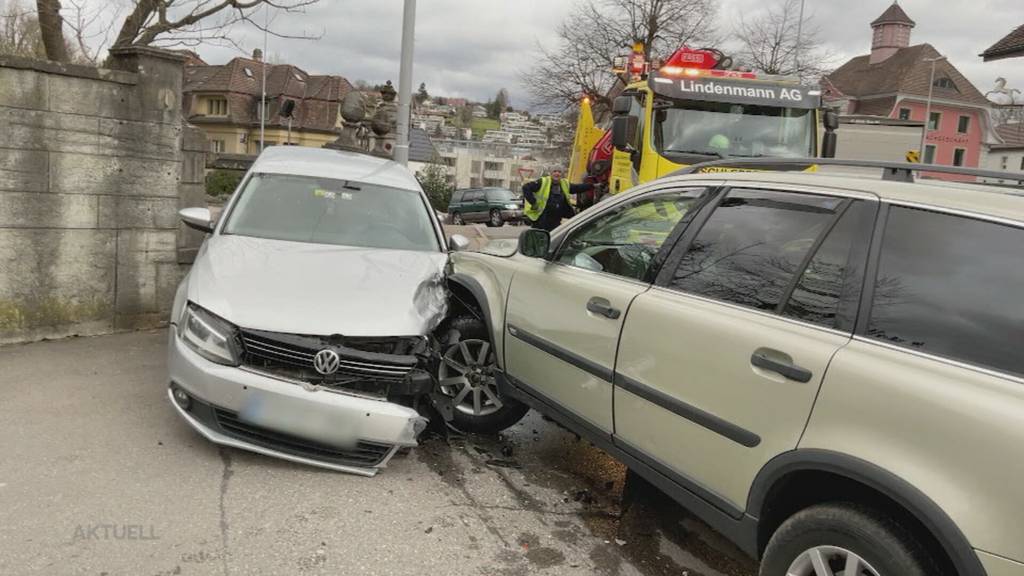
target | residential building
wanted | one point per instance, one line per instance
(1007, 155)
(894, 81)
(474, 164)
(224, 101)
(1011, 46)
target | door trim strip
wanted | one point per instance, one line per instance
(562, 354)
(707, 420)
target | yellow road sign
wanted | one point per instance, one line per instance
(913, 156)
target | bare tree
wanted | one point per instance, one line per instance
(154, 23)
(19, 31)
(600, 30)
(771, 43)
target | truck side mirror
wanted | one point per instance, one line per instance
(621, 105)
(831, 120)
(624, 132)
(829, 142)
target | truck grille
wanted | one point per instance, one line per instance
(291, 356)
(364, 454)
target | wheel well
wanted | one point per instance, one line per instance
(804, 488)
(463, 301)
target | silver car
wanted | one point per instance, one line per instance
(307, 328)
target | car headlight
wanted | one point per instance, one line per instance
(211, 337)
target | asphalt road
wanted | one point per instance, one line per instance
(99, 476)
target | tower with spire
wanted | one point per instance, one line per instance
(891, 31)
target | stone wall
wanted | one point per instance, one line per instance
(94, 165)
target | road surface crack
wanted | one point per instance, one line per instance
(225, 457)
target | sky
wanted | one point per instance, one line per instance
(471, 48)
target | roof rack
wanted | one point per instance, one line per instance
(896, 171)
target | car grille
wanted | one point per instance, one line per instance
(364, 454)
(291, 357)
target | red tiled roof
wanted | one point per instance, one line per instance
(1011, 46)
(317, 97)
(893, 15)
(905, 72)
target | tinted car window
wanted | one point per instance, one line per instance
(499, 195)
(473, 196)
(952, 286)
(457, 196)
(752, 245)
(624, 240)
(834, 273)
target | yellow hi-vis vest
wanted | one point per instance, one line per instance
(533, 211)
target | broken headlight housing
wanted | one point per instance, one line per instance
(209, 335)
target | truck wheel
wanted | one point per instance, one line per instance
(844, 540)
(495, 220)
(457, 219)
(466, 373)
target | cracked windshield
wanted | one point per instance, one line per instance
(570, 287)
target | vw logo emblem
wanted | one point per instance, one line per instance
(326, 361)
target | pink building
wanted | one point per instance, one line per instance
(894, 81)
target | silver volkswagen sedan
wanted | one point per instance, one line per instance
(307, 329)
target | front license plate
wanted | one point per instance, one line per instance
(319, 422)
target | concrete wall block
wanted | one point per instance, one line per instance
(139, 247)
(35, 210)
(147, 139)
(193, 167)
(133, 212)
(41, 130)
(23, 170)
(95, 97)
(194, 139)
(24, 89)
(83, 174)
(55, 282)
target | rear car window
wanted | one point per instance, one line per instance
(753, 244)
(952, 286)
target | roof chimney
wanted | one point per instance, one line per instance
(891, 31)
(257, 55)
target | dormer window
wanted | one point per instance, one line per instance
(217, 107)
(248, 71)
(944, 83)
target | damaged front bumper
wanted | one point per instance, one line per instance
(270, 414)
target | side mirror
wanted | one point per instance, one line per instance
(534, 243)
(829, 143)
(831, 120)
(458, 243)
(624, 132)
(621, 105)
(197, 219)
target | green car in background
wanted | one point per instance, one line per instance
(495, 206)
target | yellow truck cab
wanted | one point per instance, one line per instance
(688, 112)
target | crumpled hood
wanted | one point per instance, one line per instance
(319, 289)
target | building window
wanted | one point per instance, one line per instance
(492, 165)
(216, 145)
(904, 113)
(934, 120)
(217, 107)
(929, 154)
(1005, 162)
(1022, 163)
(944, 83)
(958, 156)
(475, 167)
(963, 125)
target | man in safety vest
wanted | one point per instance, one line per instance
(548, 199)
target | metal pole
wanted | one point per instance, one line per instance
(289, 130)
(405, 83)
(799, 38)
(928, 106)
(263, 66)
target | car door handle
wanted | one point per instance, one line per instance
(786, 369)
(603, 307)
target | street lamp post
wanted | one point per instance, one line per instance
(405, 84)
(799, 38)
(928, 105)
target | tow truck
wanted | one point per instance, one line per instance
(694, 108)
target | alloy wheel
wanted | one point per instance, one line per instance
(495, 218)
(457, 219)
(467, 375)
(830, 561)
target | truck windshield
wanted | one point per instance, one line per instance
(719, 129)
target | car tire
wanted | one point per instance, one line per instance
(491, 420)
(495, 220)
(457, 219)
(834, 531)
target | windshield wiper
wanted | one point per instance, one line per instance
(698, 153)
